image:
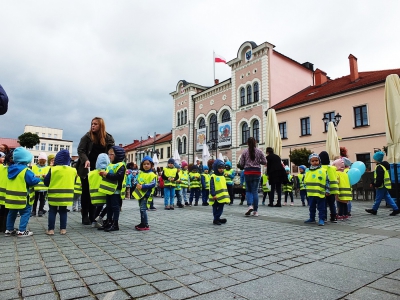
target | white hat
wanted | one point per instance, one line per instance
(42, 155)
(2, 154)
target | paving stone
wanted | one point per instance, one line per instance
(114, 295)
(30, 274)
(121, 275)
(89, 272)
(59, 270)
(189, 279)
(75, 293)
(225, 281)
(25, 282)
(96, 279)
(155, 297)
(203, 287)
(9, 294)
(67, 284)
(176, 272)
(145, 270)
(154, 277)
(141, 290)
(367, 293)
(36, 290)
(103, 287)
(130, 282)
(165, 285)
(64, 276)
(209, 274)
(181, 293)
(49, 296)
(243, 276)
(387, 284)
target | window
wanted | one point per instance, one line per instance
(282, 130)
(242, 97)
(256, 131)
(37, 132)
(331, 117)
(43, 146)
(213, 128)
(245, 133)
(168, 152)
(202, 123)
(162, 153)
(226, 116)
(50, 147)
(365, 158)
(35, 159)
(256, 94)
(305, 126)
(179, 142)
(360, 116)
(49, 135)
(179, 118)
(249, 94)
(43, 134)
(67, 147)
(61, 147)
(37, 147)
(184, 144)
(56, 148)
(55, 135)
(185, 116)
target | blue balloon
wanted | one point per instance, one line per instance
(359, 165)
(354, 176)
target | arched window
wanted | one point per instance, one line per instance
(256, 131)
(256, 94)
(179, 118)
(184, 144)
(242, 97)
(185, 117)
(179, 145)
(226, 116)
(245, 133)
(182, 118)
(213, 128)
(249, 94)
(202, 123)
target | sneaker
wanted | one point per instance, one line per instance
(142, 227)
(263, 203)
(222, 221)
(284, 203)
(270, 205)
(152, 208)
(40, 214)
(94, 224)
(24, 233)
(187, 204)
(181, 206)
(303, 204)
(340, 218)
(277, 205)
(321, 223)
(99, 221)
(309, 221)
(10, 233)
(249, 211)
(204, 204)
(74, 209)
(395, 212)
(291, 204)
(196, 204)
(371, 211)
(166, 207)
(33, 214)
(255, 214)
(171, 207)
(345, 218)
(215, 222)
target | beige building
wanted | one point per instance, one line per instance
(51, 141)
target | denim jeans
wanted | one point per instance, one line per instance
(330, 202)
(77, 202)
(218, 209)
(342, 209)
(178, 197)
(277, 186)
(289, 194)
(113, 206)
(252, 183)
(41, 198)
(382, 193)
(196, 193)
(184, 194)
(25, 214)
(204, 195)
(317, 203)
(169, 194)
(303, 196)
(143, 211)
(62, 210)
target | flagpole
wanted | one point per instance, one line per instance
(214, 65)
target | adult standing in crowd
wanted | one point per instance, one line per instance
(251, 160)
(93, 143)
(3, 101)
(4, 160)
(276, 176)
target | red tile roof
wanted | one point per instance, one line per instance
(160, 138)
(335, 87)
(11, 143)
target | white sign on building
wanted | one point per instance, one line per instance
(225, 134)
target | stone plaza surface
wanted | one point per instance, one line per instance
(185, 256)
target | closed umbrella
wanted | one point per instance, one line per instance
(332, 142)
(273, 135)
(155, 161)
(392, 105)
(176, 156)
(220, 156)
(205, 154)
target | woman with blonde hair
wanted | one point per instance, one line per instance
(93, 143)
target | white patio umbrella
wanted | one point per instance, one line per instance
(332, 142)
(273, 135)
(220, 156)
(205, 154)
(392, 106)
(176, 156)
(155, 161)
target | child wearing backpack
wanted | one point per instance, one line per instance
(288, 187)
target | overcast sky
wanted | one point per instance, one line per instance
(64, 62)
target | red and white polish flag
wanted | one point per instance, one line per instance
(219, 59)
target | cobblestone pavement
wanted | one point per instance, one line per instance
(185, 256)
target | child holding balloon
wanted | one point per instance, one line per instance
(345, 195)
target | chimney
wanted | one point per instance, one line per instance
(320, 77)
(216, 81)
(136, 141)
(353, 68)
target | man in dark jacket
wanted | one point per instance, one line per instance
(276, 176)
(3, 101)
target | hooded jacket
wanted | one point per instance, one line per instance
(3, 101)
(62, 159)
(217, 163)
(22, 158)
(102, 161)
(118, 158)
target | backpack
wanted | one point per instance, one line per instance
(3, 101)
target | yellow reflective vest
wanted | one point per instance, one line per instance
(170, 172)
(178, 185)
(300, 177)
(184, 177)
(144, 178)
(108, 186)
(315, 181)
(345, 193)
(333, 183)
(3, 181)
(289, 186)
(207, 178)
(221, 191)
(386, 179)
(228, 173)
(195, 180)
(264, 181)
(96, 197)
(61, 187)
(41, 172)
(17, 193)
(78, 186)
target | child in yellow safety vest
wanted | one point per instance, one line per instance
(205, 186)
(61, 181)
(266, 188)
(195, 185)
(300, 184)
(40, 170)
(146, 182)
(170, 176)
(288, 187)
(113, 185)
(178, 187)
(184, 177)
(218, 192)
(19, 194)
(345, 195)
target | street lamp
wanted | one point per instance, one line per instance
(335, 121)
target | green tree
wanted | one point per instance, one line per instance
(300, 156)
(28, 140)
